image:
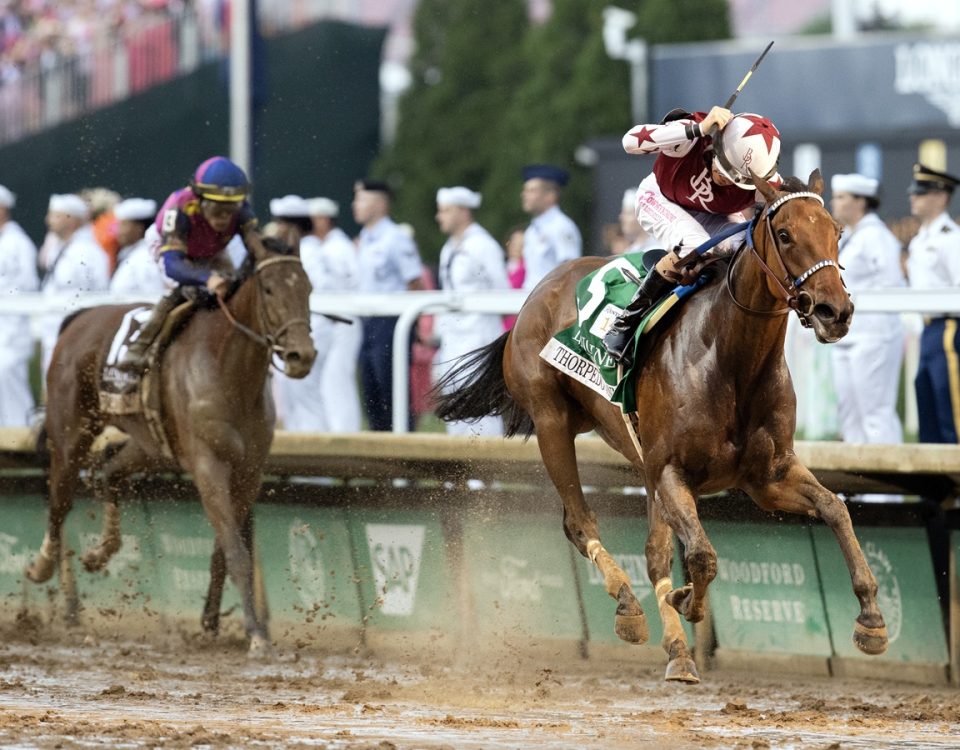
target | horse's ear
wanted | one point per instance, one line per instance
(815, 183)
(768, 191)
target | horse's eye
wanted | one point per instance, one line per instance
(783, 235)
(267, 291)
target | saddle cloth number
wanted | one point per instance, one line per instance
(126, 334)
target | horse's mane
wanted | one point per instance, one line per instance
(274, 245)
(793, 185)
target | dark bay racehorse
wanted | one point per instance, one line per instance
(717, 410)
(217, 415)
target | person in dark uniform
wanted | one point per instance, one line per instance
(934, 263)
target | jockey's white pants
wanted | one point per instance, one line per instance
(866, 376)
(674, 226)
(327, 399)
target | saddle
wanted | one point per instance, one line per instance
(129, 393)
(578, 351)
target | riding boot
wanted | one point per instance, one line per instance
(136, 358)
(618, 338)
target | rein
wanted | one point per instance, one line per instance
(788, 285)
(270, 340)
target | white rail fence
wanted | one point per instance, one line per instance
(809, 363)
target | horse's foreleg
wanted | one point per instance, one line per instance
(218, 576)
(213, 480)
(800, 492)
(580, 526)
(117, 468)
(679, 508)
(680, 665)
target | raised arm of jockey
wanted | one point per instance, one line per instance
(674, 137)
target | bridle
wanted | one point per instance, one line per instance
(271, 339)
(787, 284)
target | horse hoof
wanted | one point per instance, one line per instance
(682, 669)
(872, 641)
(211, 625)
(41, 571)
(682, 600)
(93, 561)
(260, 648)
(632, 628)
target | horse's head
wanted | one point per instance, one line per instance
(797, 239)
(285, 306)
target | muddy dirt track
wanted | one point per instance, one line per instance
(81, 691)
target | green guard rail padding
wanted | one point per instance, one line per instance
(521, 576)
(766, 596)
(781, 588)
(401, 564)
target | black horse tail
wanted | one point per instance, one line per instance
(474, 388)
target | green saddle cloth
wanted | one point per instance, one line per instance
(578, 351)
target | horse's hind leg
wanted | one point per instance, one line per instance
(556, 441)
(679, 507)
(69, 446)
(116, 469)
(680, 665)
(800, 492)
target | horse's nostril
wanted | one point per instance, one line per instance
(293, 356)
(825, 312)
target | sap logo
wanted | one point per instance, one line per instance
(396, 551)
(306, 564)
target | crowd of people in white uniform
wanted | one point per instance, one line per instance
(348, 390)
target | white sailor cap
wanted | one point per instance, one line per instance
(7, 199)
(323, 207)
(855, 184)
(458, 196)
(70, 204)
(629, 198)
(135, 209)
(289, 206)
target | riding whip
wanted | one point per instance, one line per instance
(735, 94)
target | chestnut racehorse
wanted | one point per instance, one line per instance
(216, 409)
(716, 409)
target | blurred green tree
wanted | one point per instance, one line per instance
(468, 60)
(492, 92)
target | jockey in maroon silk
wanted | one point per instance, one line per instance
(702, 180)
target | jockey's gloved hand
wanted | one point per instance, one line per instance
(218, 285)
(717, 117)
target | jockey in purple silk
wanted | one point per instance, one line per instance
(195, 224)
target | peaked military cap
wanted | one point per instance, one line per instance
(926, 179)
(546, 172)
